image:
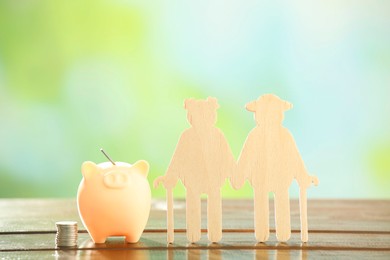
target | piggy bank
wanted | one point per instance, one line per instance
(114, 200)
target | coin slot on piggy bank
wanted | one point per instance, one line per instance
(114, 199)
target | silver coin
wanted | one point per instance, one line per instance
(66, 223)
(67, 234)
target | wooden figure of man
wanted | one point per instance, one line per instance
(270, 160)
(202, 161)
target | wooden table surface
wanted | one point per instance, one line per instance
(337, 229)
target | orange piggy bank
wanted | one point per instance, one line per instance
(114, 200)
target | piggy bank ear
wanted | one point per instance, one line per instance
(141, 167)
(88, 169)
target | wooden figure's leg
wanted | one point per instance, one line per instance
(194, 254)
(303, 209)
(282, 216)
(193, 216)
(214, 216)
(261, 205)
(170, 220)
(263, 254)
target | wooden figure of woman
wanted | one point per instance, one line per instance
(270, 160)
(202, 161)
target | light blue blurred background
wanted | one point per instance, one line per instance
(79, 75)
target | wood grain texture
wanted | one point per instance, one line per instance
(338, 229)
(362, 216)
(230, 241)
(270, 161)
(195, 254)
(202, 161)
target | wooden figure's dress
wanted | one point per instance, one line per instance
(270, 161)
(202, 161)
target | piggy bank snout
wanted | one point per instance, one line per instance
(115, 179)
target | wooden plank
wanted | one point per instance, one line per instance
(40, 215)
(339, 228)
(194, 254)
(230, 241)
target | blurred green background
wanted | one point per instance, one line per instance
(79, 75)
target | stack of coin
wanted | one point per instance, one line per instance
(66, 234)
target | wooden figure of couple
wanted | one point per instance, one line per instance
(269, 160)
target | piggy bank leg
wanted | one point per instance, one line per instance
(261, 205)
(98, 238)
(131, 238)
(214, 216)
(282, 215)
(193, 216)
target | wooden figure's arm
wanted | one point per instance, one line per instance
(300, 173)
(228, 159)
(158, 180)
(168, 183)
(303, 178)
(239, 176)
(170, 179)
(245, 162)
(178, 162)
